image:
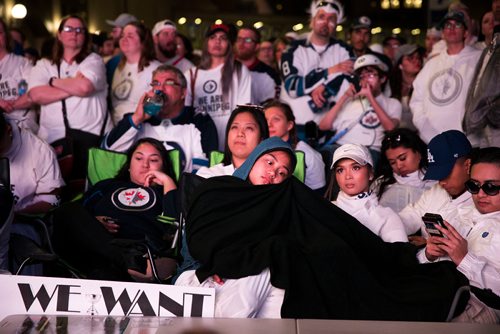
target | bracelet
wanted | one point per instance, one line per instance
(51, 81)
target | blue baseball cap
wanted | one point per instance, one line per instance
(443, 151)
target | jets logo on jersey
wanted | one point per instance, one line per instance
(370, 120)
(123, 89)
(445, 87)
(133, 199)
(210, 86)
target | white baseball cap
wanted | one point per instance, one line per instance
(162, 25)
(370, 60)
(356, 152)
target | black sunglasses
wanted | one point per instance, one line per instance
(488, 187)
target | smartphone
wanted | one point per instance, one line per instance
(430, 221)
(355, 81)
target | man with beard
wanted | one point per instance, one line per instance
(360, 38)
(164, 34)
(314, 68)
(265, 80)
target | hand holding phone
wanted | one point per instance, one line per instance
(430, 220)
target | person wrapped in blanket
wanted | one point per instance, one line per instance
(278, 249)
(96, 235)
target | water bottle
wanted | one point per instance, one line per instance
(22, 87)
(153, 104)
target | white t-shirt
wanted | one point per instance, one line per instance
(364, 124)
(128, 86)
(14, 69)
(84, 113)
(208, 95)
(380, 220)
(182, 64)
(440, 90)
(315, 167)
(34, 170)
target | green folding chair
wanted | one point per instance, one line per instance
(216, 157)
(103, 164)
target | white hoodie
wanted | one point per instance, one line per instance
(382, 221)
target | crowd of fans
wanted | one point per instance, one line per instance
(390, 133)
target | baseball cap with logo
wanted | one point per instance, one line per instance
(122, 20)
(405, 50)
(361, 22)
(455, 16)
(443, 151)
(162, 25)
(370, 60)
(356, 152)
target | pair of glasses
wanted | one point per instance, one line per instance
(456, 25)
(247, 40)
(168, 82)
(488, 187)
(370, 75)
(327, 3)
(78, 30)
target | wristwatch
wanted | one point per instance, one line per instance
(51, 81)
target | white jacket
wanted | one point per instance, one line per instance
(380, 220)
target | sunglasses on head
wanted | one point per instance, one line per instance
(250, 106)
(488, 187)
(326, 3)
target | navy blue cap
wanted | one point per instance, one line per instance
(443, 151)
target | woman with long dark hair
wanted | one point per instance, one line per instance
(124, 207)
(409, 62)
(245, 129)
(219, 83)
(400, 174)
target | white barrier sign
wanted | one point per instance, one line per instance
(64, 296)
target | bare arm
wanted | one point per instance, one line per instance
(23, 102)
(40, 207)
(45, 94)
(331, 115)
(77, 86)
